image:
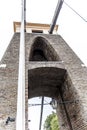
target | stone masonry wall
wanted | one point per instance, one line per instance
(74, 87)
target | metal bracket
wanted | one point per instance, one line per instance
(9, 119)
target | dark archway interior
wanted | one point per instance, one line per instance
(41, 50)
(45, 81)
(38, 55)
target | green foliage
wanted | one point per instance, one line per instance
(51, 122)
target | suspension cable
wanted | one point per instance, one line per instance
(57, 11)
(75, 11)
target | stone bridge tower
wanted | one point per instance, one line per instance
(52, 70)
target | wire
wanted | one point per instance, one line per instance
(75, 12)
(59, 102)
(45, 101)
(30, 105)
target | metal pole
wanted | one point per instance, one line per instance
(57, 11)
(42, 104)
(20, 120)
(25, 15)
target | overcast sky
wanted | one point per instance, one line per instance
(71, 27)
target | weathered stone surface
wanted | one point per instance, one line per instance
(59, 56)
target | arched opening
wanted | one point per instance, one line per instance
(44, 82)
(41, 50)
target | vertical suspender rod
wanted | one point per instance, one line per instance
(56, 14)
(20, 119)
(41, 115)
(24, 15)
